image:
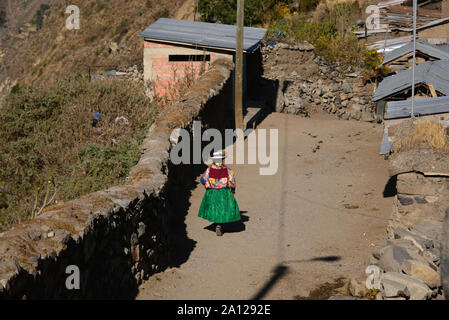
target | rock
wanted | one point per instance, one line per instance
(5, 285)
(62, 235)
(113, 47)
(356, 115)
(34, 235)
(357, 288)
(33, 259)
(421, 242)
(392, 258)
(391, 289)
(346, 87)
(367, 116)
(417, 289)
(429, 229)
(51, 234)
(421, 271)
(141, 229)
(291, 109)
(356, 107)
(433, 255)
(405, 201)
(420, 200)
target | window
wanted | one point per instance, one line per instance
(186, 57)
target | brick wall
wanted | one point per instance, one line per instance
(166, 75)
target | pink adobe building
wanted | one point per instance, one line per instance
(174, 49)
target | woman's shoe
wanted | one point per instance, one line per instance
(219, 230)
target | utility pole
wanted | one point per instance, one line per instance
(415, 8)
(239, 67)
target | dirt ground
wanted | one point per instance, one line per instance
(305, 229)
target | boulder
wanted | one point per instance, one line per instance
(392, 289)
(416, 289)
(429, 229)
(421, 271)
(392, 258)
(357, 288)
(421, 242)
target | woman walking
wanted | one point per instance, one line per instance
(219, 205)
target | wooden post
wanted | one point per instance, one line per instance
(239, 67)
(432, 91)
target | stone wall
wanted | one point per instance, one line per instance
(119, 236)
(410, 260)
(307, 83)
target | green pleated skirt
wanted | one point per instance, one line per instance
(219, 206)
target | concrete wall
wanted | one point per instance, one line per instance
(119, 236)
(164, 74)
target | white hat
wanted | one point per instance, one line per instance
(218, 155)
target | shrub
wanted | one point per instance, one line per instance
(38, 18)
(225, 11)
(47, 135)
(331, 36)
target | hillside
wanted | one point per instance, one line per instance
(34, 54)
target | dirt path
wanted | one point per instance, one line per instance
(315, 221)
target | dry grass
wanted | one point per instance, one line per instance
(55, 51)
(420, 133)
(48, 143)
(184, 78)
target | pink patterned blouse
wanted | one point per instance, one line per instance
(218, 177)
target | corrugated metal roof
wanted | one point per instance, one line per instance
(426, 106)
(430, 72)
(385, 4)
(421, 46)
(444, 47)
(402, 24)
(202, 34)
(433, 23)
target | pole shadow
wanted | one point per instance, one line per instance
(282, 270)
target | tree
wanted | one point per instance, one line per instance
(224, 11)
